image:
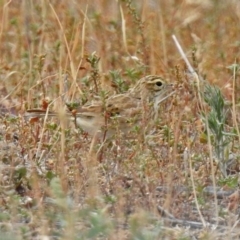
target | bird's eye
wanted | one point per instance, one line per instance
(159, 83)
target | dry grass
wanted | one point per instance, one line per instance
(59, 183)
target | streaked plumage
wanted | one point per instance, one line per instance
(138, 106)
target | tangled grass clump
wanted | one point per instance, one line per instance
(57, 182)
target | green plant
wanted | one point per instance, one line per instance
(215, 120)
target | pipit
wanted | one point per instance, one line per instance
(121, 112)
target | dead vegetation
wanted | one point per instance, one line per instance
(57, 182)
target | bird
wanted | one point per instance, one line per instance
(120, 112)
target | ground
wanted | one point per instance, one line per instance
(179, 181)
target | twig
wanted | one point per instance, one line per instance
(183, 55)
